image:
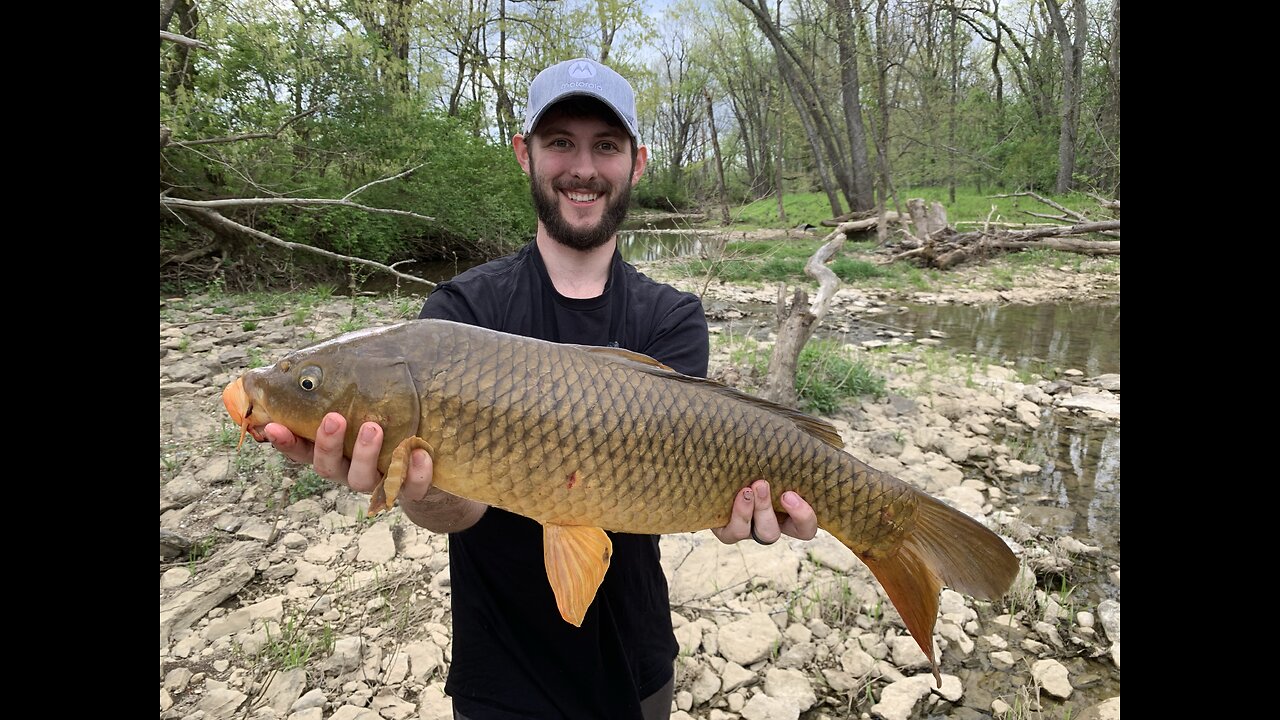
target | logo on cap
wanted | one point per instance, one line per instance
(582, 70)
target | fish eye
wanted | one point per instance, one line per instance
(310, 379)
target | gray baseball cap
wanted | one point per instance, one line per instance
(582, 76)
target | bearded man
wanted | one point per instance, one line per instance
(513, 656)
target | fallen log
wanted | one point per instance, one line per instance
(936, 244)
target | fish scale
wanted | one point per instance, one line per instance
(643, 436)
(584, 440)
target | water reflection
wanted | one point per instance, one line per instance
(636, 245)
(1085, 337)
(642, 246)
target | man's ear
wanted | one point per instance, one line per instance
(642, 159)
(522, 152)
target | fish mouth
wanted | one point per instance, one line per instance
(240, 407)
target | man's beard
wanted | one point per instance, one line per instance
(548, 207)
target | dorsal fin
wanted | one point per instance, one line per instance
(820, 429)
(621, 354)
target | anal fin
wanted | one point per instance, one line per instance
(577, 558)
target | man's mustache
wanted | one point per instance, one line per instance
(595, 185)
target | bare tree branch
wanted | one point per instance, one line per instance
(183, 40)
(260, 202)
(1069, 213)
(247, 136)
(226, 223)
(362, 188)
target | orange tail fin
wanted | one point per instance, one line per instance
(946, 546)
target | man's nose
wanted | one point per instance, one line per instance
(583, 165)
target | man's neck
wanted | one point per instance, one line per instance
(574, 273)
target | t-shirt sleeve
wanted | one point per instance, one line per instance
(446, 302)
(680, 339)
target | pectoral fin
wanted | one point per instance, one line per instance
(384, 496)
(577, 558)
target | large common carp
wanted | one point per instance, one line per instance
(587, 439)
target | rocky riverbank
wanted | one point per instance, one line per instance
(277, 600)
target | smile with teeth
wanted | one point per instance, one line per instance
(581, 196)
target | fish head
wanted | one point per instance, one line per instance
(355, 375)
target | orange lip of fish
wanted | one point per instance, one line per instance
(240, 407)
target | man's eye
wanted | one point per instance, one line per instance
(608, 147)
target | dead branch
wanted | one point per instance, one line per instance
(1084, 247)
(215, 218)
(368, 185)
(190, 255)
(852, 226)
(247, 136)
(941, 246)
(1046, 216)
(183, 40)
(1065, 211)
(181, 203)
(1082, 228)
(1106, 203)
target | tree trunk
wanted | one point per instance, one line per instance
(795, 327)
(181, 72)
(811, 132)
(827, 151)
(953, 110)
(1072, 74)
(715, 146)
(863, 178)
(797, 322)
(777, 172)
(1114, 56)
(391, 27)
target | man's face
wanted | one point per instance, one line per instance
(581, 172)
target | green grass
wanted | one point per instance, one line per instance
(228, 435)
(826, 377)
(200, 549)
(800, 207)
(308, 484)
(293, 645)
(833, 601)
(780, 261)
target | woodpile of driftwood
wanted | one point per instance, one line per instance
(933, 242)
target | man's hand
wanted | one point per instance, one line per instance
(753, 505)
(424, 505)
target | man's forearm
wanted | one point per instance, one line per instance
(443, 513)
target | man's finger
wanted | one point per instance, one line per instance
(329, 460)
(421, 469)
(802, 521)
(290, 445)
(739, 526)
(363, 475)
(765, 523)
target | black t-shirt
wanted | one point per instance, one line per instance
(513, 655)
